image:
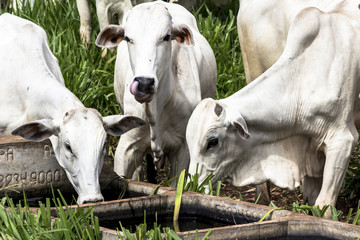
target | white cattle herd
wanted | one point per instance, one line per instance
(296, 122)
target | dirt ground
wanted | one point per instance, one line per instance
(282, 198)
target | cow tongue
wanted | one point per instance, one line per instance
(139, 96)
(134, 87)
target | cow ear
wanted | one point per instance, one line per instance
(218, 109)
(37, 130)
(110, 36)
(241, 126)
(182, 34)
(116, 125)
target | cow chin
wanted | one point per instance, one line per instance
(142, 98)
(92, 198)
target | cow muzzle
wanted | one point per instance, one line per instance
(143, 89)
(91, 198)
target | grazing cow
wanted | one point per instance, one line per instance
(36, 105)
(263, 28)
(163, 70)
(108, 12)
(298, 121)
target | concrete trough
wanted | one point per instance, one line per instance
(281, 224)
(235, 213)
(31, 167)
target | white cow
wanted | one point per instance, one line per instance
(163, 69)
(36, 105)
(296, 122)
(263, 27)
(108, 12)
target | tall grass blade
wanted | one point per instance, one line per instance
(179, 190)
(218, 188)
(268, 213)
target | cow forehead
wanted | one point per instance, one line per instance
(202, 120)
(78, 119)
(148, 18)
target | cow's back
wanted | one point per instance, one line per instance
(29, 41)
(263, 27)
(27, 67)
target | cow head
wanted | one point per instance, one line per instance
(149, 32)
(79, 143)
(216, 139)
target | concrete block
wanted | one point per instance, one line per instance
(26, 164)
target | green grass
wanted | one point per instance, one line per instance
(90, 77)
(18, 221)
(221, 33)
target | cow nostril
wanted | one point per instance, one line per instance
(152, 83)
(146, 85)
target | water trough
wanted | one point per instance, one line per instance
(242, 218)
(32, 167)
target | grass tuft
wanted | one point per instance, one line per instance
(18, 221)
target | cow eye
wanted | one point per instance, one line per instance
(167, 38)
(114, 40)
(212, 143)
(67, 146)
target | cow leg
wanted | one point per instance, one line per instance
(263, 195)
(338, 151)
(85, 20)
(311, 189)
(130, 152)
(178, 162)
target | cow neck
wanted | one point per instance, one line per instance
(54, 102)
(267, 104)
(154, 109)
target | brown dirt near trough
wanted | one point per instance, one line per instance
(282, 198)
